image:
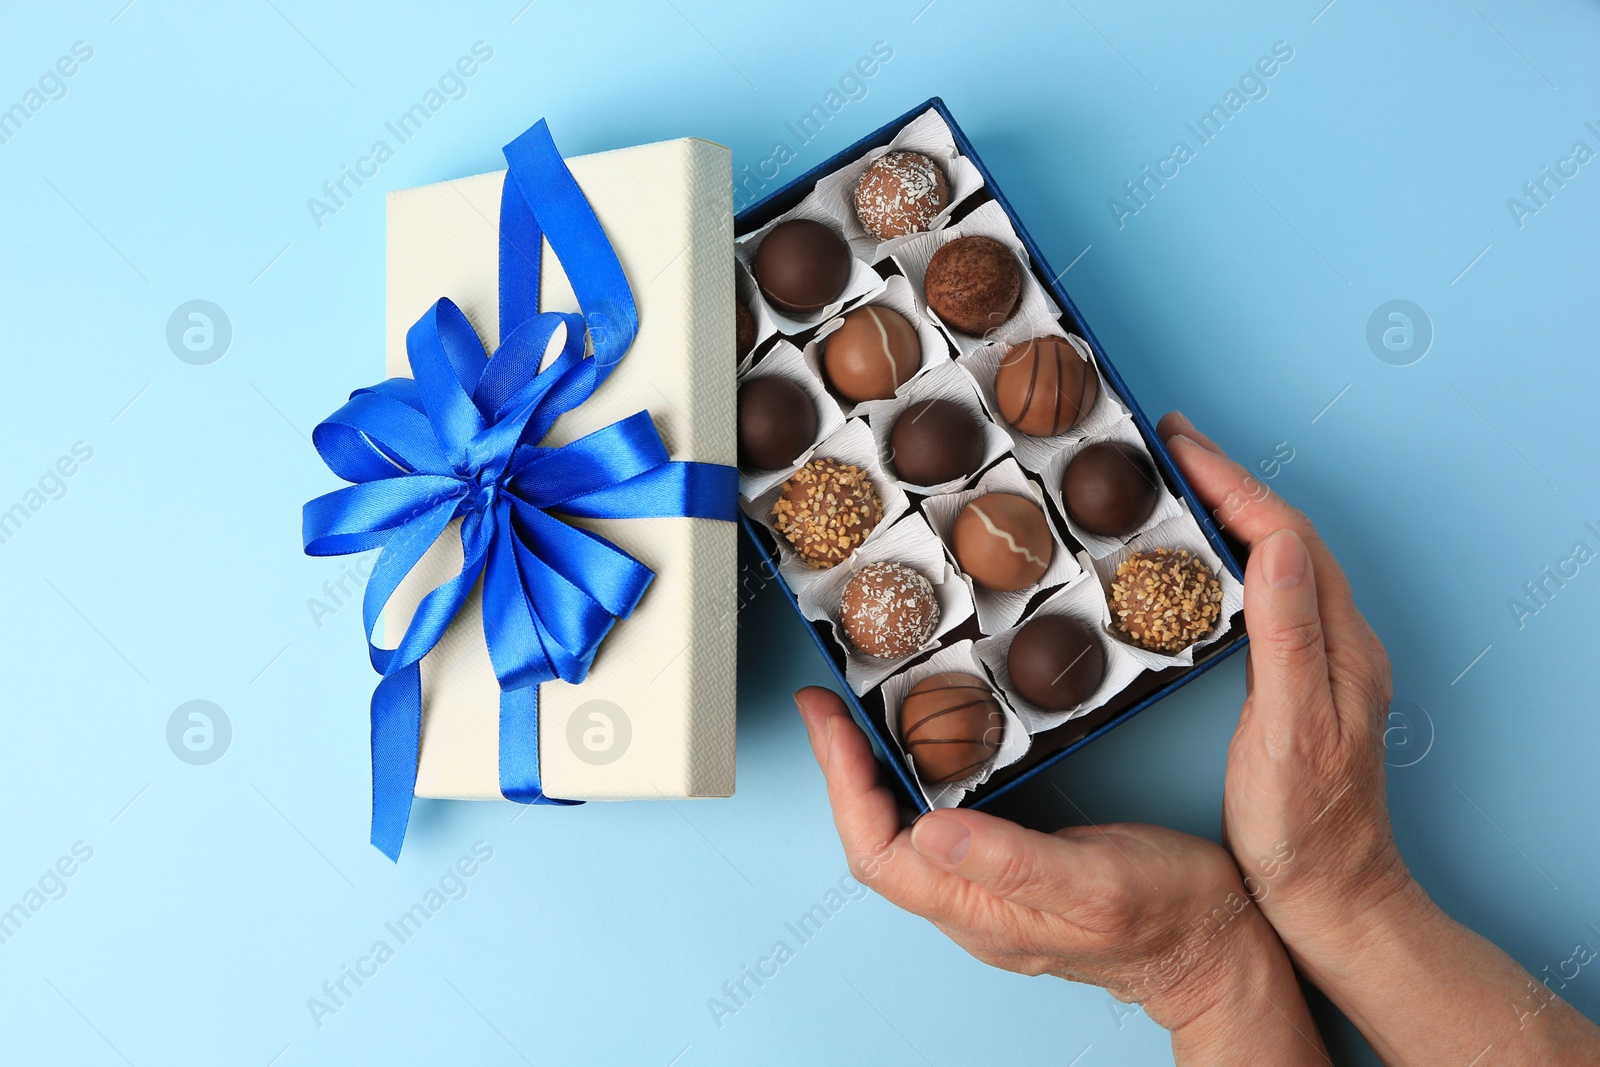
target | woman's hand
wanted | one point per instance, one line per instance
(1308, 820)
(1152, 915)
(1305, 811)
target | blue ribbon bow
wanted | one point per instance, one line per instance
(461, 441)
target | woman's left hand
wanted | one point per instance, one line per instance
(1152, 915)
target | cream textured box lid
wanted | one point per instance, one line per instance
(655, 717)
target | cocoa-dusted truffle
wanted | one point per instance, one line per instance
(1055, 662)
(1002, 541)
(935, 441)
(826, 510)
(777, 422)
(744, 329)
(888, 610)
(900, 193)
(1110, 488)
(872, 353)
(973, 283)
(1045, 387)
(951, 725)
(1165, 600)
(802, 266)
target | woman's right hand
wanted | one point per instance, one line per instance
(1305, 811)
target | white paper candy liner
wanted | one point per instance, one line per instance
(745, 285)
(785, 361)
(1083, 601)
(912, 543)
(850, 444)
(945, 382)
(1013, 746)
(1181, 531)
(864, 281)
(1167, 505)
(1036, 453)
(996, 610)
(927, 134)
(1035, 314)
(896, 295)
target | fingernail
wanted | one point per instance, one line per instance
(1181, 419)
(944, 841)
(1283, 560)
(1182, 439)
(805, 716)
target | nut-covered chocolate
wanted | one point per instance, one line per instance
(1045, 387)
(802, 266)
(826, 510)
(1165, 600)
(950, 725)
(1110, 488)
(777, 422)
(744, 329)
(935, 441)
(1002, 541)
(888, 610)
(872, 353)
(973, 283)
(1055, 662)
(900, 193)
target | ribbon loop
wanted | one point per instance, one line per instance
(461, 443)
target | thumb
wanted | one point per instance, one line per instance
(1035, 870)
(1288, 664)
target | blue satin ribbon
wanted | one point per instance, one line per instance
(461, 440)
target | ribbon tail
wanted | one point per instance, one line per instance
(396, 738)
(519, 748)
(672, 490)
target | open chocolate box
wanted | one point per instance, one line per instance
(916, 527)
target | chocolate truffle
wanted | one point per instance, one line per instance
(900, 193)
(935, 441)
(777, 422)
(826, 509)
(1055, 662)
(802, 266)
(888, 610)
(1110, 488)
(951, 725)
(1044, 387)
(744, 329)
(872, 353)
(973, 283)
(1164, 600)
(1002, 541)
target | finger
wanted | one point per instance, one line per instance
(1176, 422)
(1039, 871)
(1251, 511)
(864, 812)
(1289, 666)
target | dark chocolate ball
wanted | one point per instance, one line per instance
(744, 329)
(802, 266)
(1044, 387)
(1002, 541)
(951, 725)
(777, 422)
(888, 610)
(900, 193)
(1055, 662)
(973, 283)
(934, 441)
(1110, 488)
(872, 353)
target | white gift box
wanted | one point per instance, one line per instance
(655, 716)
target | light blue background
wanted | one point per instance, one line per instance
(219, 898)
